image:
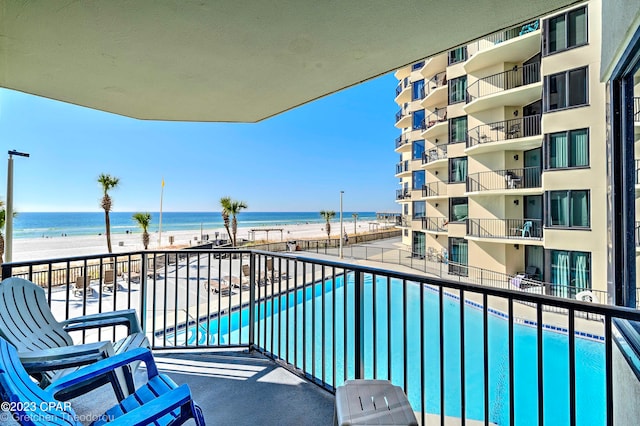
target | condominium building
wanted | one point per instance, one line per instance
(502, 153)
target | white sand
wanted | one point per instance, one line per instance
(57, 247)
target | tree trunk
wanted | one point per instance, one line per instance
(145, 239)
(328, 230)
(234, 229)
(108, 230)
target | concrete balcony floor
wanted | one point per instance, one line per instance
(233, 388)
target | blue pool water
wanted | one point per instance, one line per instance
(318, 359)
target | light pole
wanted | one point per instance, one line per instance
(9, 211)
(341, 230)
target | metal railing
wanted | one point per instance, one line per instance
(636, 108)
(402, 85)
(330, 321)
(401, 194)
(504, 130)
(436, 224)
(507, 80)
(637, 172)
(434, 189)
(501, 36)
(402, 166)
(637, 234)
(438, 116)
(434, 154)
(528, 177)
(401, 140)
(525, 229)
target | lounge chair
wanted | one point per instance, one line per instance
(46, 348)
(109, 280)
(159, 401)
(215, 286)
(246, 276)
(81, 285)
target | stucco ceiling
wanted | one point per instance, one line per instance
(228, 60)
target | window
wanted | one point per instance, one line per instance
(458, 170)
(417, 90)
(458, 256)
(419, 245)
(419, 209)
(565, 89)
(567, 149)
(566, 31)
(417, 66)
(568, 209)
(418, 150)
(457, 90)
(418, 119)
(570, 272)
(458, 209)
(457, 55)
(458, 129)
(418, 179)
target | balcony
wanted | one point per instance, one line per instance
(518, 86)
(516, 134)
(434, 190)
(512, 230)
(403, 169)
(515, 45)
(435, 91)
(523, 181)
(637, 178)
(636, 118)
(437, 225)
(312, 317)
(435, 157)
(435, 123)
(403, 91)
(402, 143)
(403, 194)
(403, 118)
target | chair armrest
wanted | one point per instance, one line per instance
(126, 317)
(105, 367)
(64, 357)
(155, 409)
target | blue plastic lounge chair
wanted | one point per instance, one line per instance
(45, 346)
(160, 401)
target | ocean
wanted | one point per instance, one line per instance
(32, 225)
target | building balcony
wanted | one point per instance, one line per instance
(403, 144)
(519, 86)
(524, 181)
(304, 328)
(403, 169)
(516, 134)
(403, 118)
(637, 178)
(403, 194)
(435, 123)
(515, 45)
(433, 66)
(636, 118)
(435, 91)
(436, 225)
(403, 91)
(435, 157)
(506, 230)
(434, 190)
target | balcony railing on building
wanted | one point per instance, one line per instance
(525, 229)
(401, 141)
(637, 234)
(499, 131)
(503, 81)
(402, 85)
(331, 321)
(521, 178)
(636, 109)
(435, 224)
(438, 116)
(637, 172)
(434, 189)
(433, 84)
(402, 167)
(501, 36)
(402, 194)
(434, 154)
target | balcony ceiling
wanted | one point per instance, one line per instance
(227, 60)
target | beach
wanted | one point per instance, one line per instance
(38, 248)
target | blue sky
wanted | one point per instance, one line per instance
(296, 161)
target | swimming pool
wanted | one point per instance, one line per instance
(280, 330)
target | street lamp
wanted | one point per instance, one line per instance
(341, 230)
(9, 211)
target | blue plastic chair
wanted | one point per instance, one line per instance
(526, 228)
(160, 401)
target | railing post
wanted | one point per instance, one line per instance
(143, 292)
(359, 324)
(6, 270)
(252, 299)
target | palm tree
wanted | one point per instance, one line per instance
(328, 215)
(231, 207)
(3, 219)
(143, 220)
(107, 182)
(355, 221)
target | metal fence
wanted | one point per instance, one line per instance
(507, 80)
(330, 321)
(499, 131)
(528, 177)
(519, 229)
(498, 37)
